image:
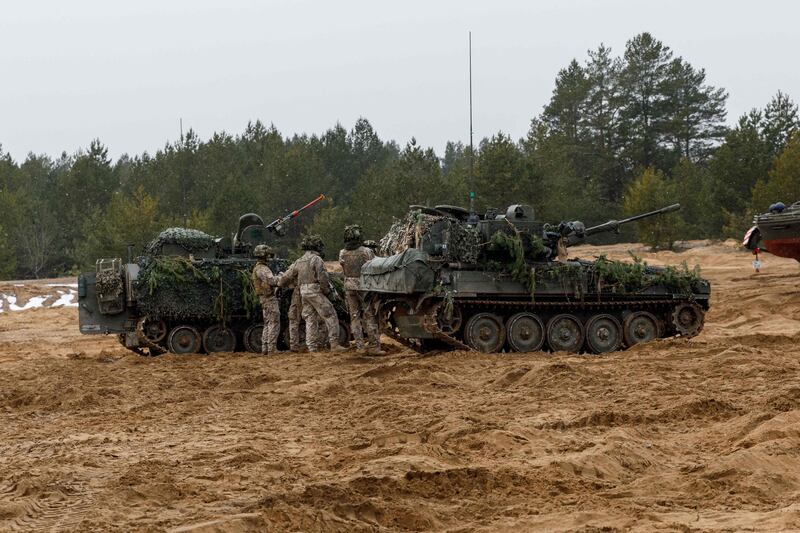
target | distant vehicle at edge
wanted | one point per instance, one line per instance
(776, 231)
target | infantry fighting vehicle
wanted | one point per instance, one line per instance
(188, 292)
(501, 281)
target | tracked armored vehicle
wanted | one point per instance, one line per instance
(189, 292)
(502, 282)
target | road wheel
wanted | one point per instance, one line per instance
(252, 338)
(219, 338)
(640, 327)
(565, 333)
(603, 334)
(485, 332)
(183, 340)
(687, 318)
(525, 332)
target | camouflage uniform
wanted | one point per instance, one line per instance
(264, 282)
(309, 275)
(362, 315)
(295, 316)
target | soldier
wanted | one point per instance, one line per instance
(362, 315)
(264, 282)
(295, 315)
(310, 277)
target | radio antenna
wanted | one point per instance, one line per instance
(471, 149)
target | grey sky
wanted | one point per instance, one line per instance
(125, 72)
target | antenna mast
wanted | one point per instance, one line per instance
(471, 150)
(183, 178)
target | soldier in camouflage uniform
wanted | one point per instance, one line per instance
(295, 316)
(309, 275)
(264, 282)
(362, 315)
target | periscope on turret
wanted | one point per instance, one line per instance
(503, 282)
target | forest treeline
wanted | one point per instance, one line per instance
(620, 135)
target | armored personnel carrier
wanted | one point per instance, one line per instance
(189, 292)
(502, 282)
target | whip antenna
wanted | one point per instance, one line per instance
(471, 150)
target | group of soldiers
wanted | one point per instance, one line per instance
(311, 288)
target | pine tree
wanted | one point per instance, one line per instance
(563, 113)
(498, 172)
(694, 112)
(643, 110)
(780, 122)
(600, 116)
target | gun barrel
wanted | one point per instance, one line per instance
(295, 213)
(662, 211)
(309, 204)
(613, 225)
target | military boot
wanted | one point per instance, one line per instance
(376, 350)
(337, 348)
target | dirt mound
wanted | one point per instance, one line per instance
(678, 435)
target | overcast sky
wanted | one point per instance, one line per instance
(126, 72)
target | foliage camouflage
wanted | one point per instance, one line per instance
(177, 288)
(618, 276)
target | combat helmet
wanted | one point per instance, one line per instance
(352, 236)
(262, 251)
(312, 242)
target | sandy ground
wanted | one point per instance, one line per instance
(678, 435)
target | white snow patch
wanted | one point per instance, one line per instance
(35, 301)
(70, 285)
(65, 301)
(66, 298)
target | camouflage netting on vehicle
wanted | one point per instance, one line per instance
(176, 288)
(462, 241)
(109, 284)
(191, 240)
